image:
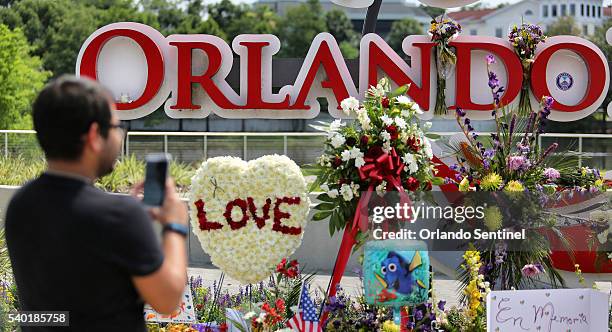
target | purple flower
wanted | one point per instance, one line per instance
(490, 59)
(516, 163)
(532, 270)
(418, 315)
(550, 150)
(493, 80)
(460, 112)
(552, 174)
(441, 305)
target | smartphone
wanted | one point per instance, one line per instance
(156, 173)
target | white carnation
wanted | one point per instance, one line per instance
(386, 120)
(403, 100)
(385, 136)
(337, 140)
(349, 104)
(401, 123)
(347, 192)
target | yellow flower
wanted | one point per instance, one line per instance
(492, 218)
(389, 326)
(491, 181)
(599, 184)
(514, 186)
(464, 185)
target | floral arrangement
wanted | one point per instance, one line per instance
(248, 216)
(385, 149)
(525, 40)
(510, 160)
(442, 33)
(262, 307)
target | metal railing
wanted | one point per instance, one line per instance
(305, 146)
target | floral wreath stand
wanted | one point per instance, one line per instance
(349, 239)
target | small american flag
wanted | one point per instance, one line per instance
(306, 319)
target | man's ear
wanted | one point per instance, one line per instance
(93, 139)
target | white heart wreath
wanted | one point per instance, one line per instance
(248, 216)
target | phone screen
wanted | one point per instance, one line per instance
(155, 180)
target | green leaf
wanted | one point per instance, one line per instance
(321, 215)
(325, 206)
(432, 136)
(325, 198)
(398, 92)
(437, 181)
(332, 223)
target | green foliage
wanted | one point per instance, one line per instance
(565, 25)
(21, 76)
(339, 26)
(401, 29)
(299, 27)
(243, 18)
(17, 170)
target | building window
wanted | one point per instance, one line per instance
(585, 29)
(528, 12)
(545, 11)
(573, 9)
(593, 11)
(599, 11)
(588, 8)
(554, 10)
(473, 32)
(498, 32)
(581, 9)
(563, 10)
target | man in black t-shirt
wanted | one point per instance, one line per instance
(76, 248)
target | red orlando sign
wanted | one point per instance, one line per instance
(187, 74)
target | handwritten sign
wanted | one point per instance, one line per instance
(548, 310)
(185, 313)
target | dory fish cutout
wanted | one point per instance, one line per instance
(395, 274)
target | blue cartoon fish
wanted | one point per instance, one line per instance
(397, 272)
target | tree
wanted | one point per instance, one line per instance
(401, 29)
(21, 77)
(259, 19)
(564, 26)
(300, 25)
(339, 26)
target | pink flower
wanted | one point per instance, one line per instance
(490, 59)
(552, 174)
(516, 163)
(532, 270)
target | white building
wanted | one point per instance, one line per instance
(587, 14)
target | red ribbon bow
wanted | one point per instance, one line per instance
(385, 167)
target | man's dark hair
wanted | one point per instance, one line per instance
(64, 111)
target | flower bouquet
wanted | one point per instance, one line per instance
(511, 161)
(525, 39)
(442, 33)
(385, 149)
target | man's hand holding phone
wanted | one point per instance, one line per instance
(172, 210)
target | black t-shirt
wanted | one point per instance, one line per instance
(75, 248)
